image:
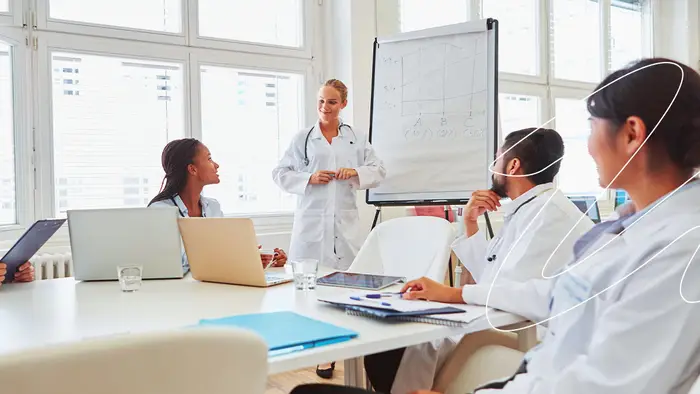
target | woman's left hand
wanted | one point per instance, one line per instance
(25, 273)
(345, 173)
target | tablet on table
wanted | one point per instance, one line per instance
(358, 281)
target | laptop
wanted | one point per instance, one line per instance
(584, 203)
(225, 250)
(103, 239)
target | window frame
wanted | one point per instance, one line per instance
(22, 133)
(542, 57)
(42, 21)
(15, 16)
(525, 89)
(61, 42)
(35, 37)
(215, 58)
(309, 13)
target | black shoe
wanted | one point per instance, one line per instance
(326, 373)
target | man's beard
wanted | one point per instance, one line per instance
(498, 187)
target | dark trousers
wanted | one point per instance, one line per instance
(381, 369)
(334, 389)
(326, 389)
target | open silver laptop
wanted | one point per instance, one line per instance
(225, 250)
(103, 239)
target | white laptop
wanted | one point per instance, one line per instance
(225, 250)
(103, 239)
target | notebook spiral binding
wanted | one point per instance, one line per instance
(413, 319)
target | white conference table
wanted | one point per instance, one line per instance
(64, 310)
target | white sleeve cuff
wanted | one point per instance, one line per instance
(475, 294)
(472, 252)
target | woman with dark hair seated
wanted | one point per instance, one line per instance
(188, 168)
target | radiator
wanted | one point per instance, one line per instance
(52, 265)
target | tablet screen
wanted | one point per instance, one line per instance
(360, 281)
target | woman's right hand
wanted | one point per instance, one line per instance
(321, 177)
(3, 271)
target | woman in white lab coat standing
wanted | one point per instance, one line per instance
(324, 166)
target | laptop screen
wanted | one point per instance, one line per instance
(584, 203)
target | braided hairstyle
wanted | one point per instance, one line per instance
(177, 156)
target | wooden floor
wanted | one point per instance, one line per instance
(284, 383)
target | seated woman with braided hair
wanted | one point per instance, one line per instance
(188, 168)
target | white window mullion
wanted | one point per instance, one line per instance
(188, 19)
(16, 168)
(195, 97)
(43, 138)
(649, 10)
(544, 38)
(605, 37)
(474, 8)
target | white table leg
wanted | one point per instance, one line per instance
(354, 372)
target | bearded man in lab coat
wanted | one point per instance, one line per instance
(535, 222)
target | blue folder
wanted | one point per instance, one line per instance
(286, 332)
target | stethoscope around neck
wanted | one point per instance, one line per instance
(492, 258)
(182, 214)
(306, 142)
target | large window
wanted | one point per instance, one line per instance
(554, 52)
(111, 118)
(155, 15)
(248, 119)
(7, 154)
(91, 91)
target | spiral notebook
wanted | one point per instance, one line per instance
(447, 316)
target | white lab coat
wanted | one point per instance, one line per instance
(326, 221)
(640, 336)
(534, 224)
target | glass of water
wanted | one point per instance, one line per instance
(130, 277)
(304, 271)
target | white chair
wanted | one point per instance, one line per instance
(177, 362)
(412, 247)
(488, 363)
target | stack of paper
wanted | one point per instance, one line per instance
(393, 308)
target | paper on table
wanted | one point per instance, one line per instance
(394, 303)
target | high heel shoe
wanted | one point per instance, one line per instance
(326, 373)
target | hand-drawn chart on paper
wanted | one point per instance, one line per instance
(430, 113)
